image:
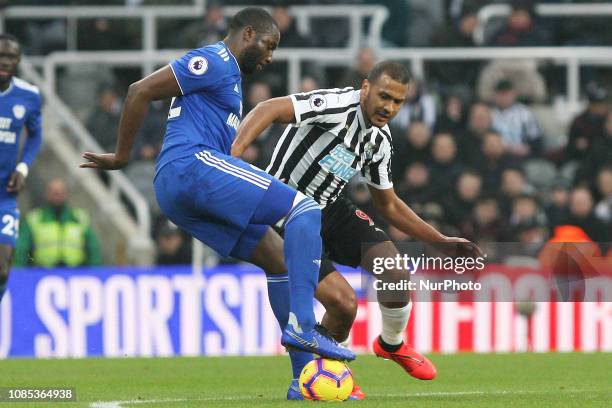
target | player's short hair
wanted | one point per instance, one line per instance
(9, 37)
(256, 17)
(396, 71)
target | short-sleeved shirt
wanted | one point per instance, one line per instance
(20, 107)
(329, 143)
(207, 114)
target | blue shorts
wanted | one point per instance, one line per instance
(222, 201)
(9, 225)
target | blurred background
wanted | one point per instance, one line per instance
(506, 135)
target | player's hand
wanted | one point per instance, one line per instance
(104, 161)
(457, 246)
(16, 182)
(237, 150)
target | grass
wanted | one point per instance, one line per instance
(464, 380)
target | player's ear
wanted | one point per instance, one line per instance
(365, 86)
(249, 34)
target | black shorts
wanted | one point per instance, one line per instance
(346, 231)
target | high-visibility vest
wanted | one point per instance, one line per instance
(59, 242)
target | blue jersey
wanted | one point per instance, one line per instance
(207, 114)
(20, 106)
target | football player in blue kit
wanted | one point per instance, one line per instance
(20, 105)
(222, 201)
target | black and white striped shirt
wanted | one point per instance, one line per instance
(329, 143)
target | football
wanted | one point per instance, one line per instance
(326, 380)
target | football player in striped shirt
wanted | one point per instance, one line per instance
(20, 105)
(332, 135)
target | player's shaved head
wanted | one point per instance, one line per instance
(258, 18)
(253, 37)
(394, 70)
(10, 55)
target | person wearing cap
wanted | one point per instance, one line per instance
(588, 126)
(516, 123)
(521, 28)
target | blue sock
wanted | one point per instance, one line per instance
(2, 290)
(278, 294)
(303, 260)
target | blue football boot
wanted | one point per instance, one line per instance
(294, 393)
(315, 341)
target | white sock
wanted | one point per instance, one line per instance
(394, 322)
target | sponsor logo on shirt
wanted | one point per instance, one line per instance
(5, 123)
(339, 162)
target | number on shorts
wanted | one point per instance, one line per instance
(11, 225)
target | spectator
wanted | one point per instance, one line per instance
(209, 31)
(452, 118)
(516, 123)
(459, 34)
(416, 189)
(557, 210)
(521, 28)
(363, 65)
(599, 155)
(412, 148)
(149, 139)
(495, 161)
(107, 34)
(587, 127)
(459, 204)
(445, 166)
(259, 152)
(581, 215)
(103, 121)
(290, 37)
(513, 185)
(57, 234)
(603, 209)
(479, 122)
(485, 223)
(419, 106)
(525, 209)
(172, 246)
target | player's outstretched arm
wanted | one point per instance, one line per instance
(275, 110)
(159, 85)
(398, 214)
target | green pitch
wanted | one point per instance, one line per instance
(464, 380)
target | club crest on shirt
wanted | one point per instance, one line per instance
(198, 65)
(317, 102)
(19, 111)
(368, 151)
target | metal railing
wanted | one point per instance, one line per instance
(571, 57)
(486, 13)
(119, 183)
(150, 16)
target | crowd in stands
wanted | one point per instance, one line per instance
(471, 155)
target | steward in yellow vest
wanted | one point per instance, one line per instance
(57, 235)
